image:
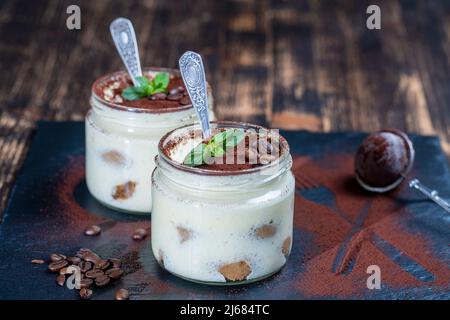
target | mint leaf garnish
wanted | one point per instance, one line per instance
(215, 147)
(143, 82)
(131, 93)
(161, 80)
(195, 157)
(146, 88)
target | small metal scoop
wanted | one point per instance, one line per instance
(412, 182)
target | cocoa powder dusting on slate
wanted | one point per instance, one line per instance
(386, 218)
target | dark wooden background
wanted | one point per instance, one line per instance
(291, 64)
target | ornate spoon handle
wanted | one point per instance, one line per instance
(193, 74)
(124, 37)
(431, 194)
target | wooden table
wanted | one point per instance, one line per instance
(288, 64)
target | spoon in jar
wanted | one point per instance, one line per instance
(124, 38)
(193, 74)
(383, 162)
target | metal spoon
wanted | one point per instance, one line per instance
(193, 74)
(124, 37)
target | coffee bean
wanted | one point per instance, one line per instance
(83, 251)
(60, 280)
(266, 158)
(175, 97)
(185, 101)
(102, 264)
(85, 266)
(57, 257)
(91, 257)
(102, 280)
(262, 145)
(114, 273)
(74, 260)
(115, 263)
(158, 96)
(80, 253)
(140, 233)
(122, 294)
(37, 261)
(63, 270)
(85, 293)
(94, 273)
(174, 91)
(251, 155)
(93, 230)
(57, 265)
(86, 283)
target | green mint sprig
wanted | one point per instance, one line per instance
(215, 147)
(146, 88)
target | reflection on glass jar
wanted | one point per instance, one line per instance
(122, 138)
(219, 226)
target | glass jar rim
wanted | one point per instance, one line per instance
(120, 107)
(284, 149)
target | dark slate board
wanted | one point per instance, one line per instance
(36, 224)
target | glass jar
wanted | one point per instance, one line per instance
(122, 142)
(220, 227)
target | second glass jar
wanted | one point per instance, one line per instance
(122, 142)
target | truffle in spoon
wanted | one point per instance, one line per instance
(383, 160)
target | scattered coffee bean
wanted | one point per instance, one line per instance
(115, 263)
(85, 266)
(175, 97)
(94, 269)
(60, 280)
(114, 273)
(140, 234)
(85, 293)
(74, 260)
(93, 230)
(37, 261)
(91, 257)
(185, 101)
(86, 283)
(102, 280)
(57, 257)
(102, 264)
(63, 270)
(83, 251)
(94, 273)
(158, 96)
(57, 265)
(122, 294)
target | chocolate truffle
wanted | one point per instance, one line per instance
(383, 159)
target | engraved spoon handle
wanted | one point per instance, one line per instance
(193, 74)
(431, 194)
(124, 37)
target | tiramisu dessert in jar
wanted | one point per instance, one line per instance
(223, 206)
(123, 128)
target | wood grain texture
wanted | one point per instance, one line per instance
(292, 64)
